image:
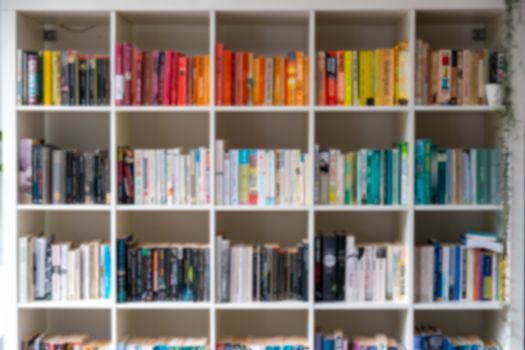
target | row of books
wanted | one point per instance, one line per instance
(57, 78)
(160, 77)
(43, 341)
(377, 77)
(471, 271)
(456, 77)
(428, 337)
(242, 78)
(50, 270)
(274, 343)
(163, 176)
(366, 176)
(457, 176)
(345, 271)
(261, 177)
(262, 272)
(162, 271)
(48, 174)
(338, 341)
(164, 343)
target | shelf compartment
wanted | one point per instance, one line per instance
(457, 109)
(345, 306)
(360, 208)
(263, 32)
(261, 323)
(458, 207)
(164, 305)
(362, 109)
(64, 207)
(262, 305)
(461, 306)
(263, 130)
(165, 227)
(163, 208)
(67, 305)
(162, 323)
(65, 109)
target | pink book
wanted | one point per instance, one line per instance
(155, 93)
(219, 76)
(166, 100)
(119, 79)
(137, 77)
(174, 75)
(126, 66)
(182, 79)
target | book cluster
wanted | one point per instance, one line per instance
(163, 176)
(50, 270)
(160, 77)
(456, 77)
(430, 337)
(471, 271)
(242, 78)
(457, 176)
(48, 174)
(364, 78)
(62, 78)
(275, 343)
(366, 176)
(261, 177)
(162, 271)
(164, 343)
(338, 341)
(262, 272)
(41, 341)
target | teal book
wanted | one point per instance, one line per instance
(396, 178)
(423, 171)
(495, 171)
(388, 177)
(441, 176)
(433, 174)
(373, 177)
(483, 176)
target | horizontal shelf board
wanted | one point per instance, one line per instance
(68, 304)
(458, 207)
(261, 208)
(132, 207)
(361, 208)
(461, 108)
(163, 109)
(164, 305)
(471, 305)
(362, 109)
(64, 207)
(361, 306)
(68, 109)
(268, 109)
(270, 305)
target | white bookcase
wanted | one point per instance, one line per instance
(268, 27)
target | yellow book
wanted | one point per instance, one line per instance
(306, 81)
(244, 176)
(348, 78)
(378, 77)
(255, 96)
(250, 74)
(47, 73)
(56, 80)
(299, 90)
(401, 73)
(371, 78)
(362, 78)
(291, 81)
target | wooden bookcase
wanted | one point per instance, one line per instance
(267, 28)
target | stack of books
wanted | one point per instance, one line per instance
(429, 337)
(162, 271)
(261, 177)
(163, 343)
(357, 273)
(160, 77)
(457, 176)
(456, 77)
(275, 343)
(366, 176)
(474, 270)
(48, 174)
(163, 176)
(241, 78)
(262, 272)
(77, 341)
(62, 78)
(338, 341)
(50, 270)
(364, 78)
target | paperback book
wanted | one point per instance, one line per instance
(43, 341)
(162, 343)
(431, 338)
(338, 341)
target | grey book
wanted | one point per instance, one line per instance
(59, 176)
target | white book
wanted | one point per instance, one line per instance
(23, 268)
(182, 178)
(177, 186)
(261, 176)
(247, 267)
(391, 263)
(268, 92)
(381, 270)
(307, 189)
(203, 183)
(71, 274)
(288, 177)
(234, 276)
(270, 173)
(298, 171)
(85, 273)
(340, 178)
(64, 270)
(225, 199)
(381, 342)
(234, 186)
(137, 175)
(218, 268)
(161, 177)
(404, 179)
(220, 170)
(350, 269)
(55, 272)
(95, 269)
(430, 273)
(170, 187)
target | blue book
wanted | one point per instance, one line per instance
(318, 342)
(442, 176)
(438, 266)
(418, 342)
(107, 271)
(457, 273)
(328, 343)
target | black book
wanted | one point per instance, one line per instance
(83, 89)
(341, 261)
(138, 282)
(318, 268)
(329, 268)
(147, 257)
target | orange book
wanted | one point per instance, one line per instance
(285, 84)
(300, 78)
(250, 79)
(261, 80)
(321, 78)
(340, 80)
(255, 83)
(306, 81)
(227, 93)
(291, 82)
(201, 86)
(207, 80)
(244, 81)
(238, 78)
(277, 81)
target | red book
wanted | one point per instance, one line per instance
(340, 78)
(126, 64)
(147, 69)
(238, 78)
(174, 76)
(244, 83)
(182, 80)
(155, 78)
(285, 92)
(119, 79)
(227, 93)
(331, 77)
(261, 81)
(136, 77)
(219, 75)
(166, 89)
(477, 275)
